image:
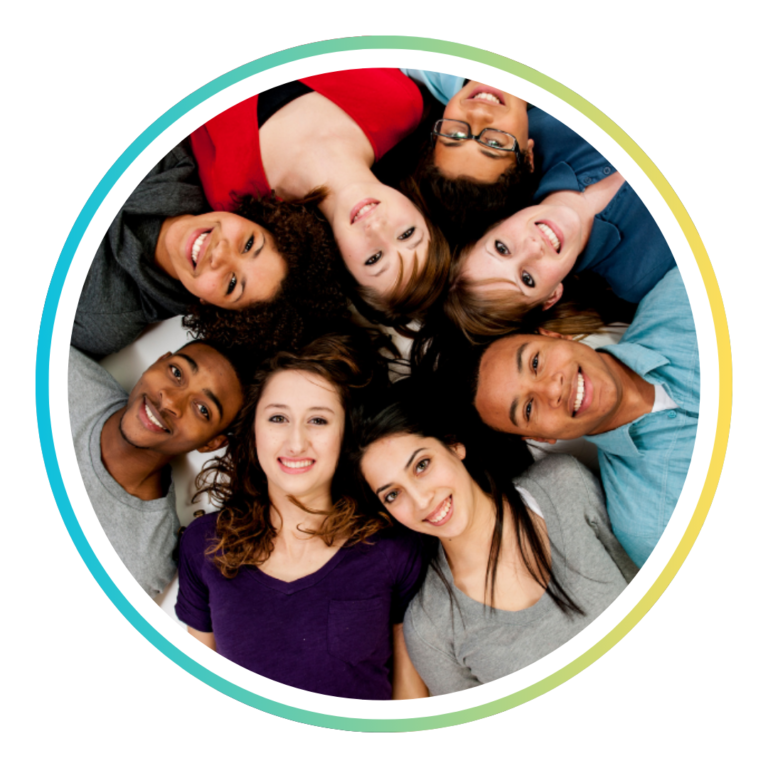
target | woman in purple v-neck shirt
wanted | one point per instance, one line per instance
(291, 579)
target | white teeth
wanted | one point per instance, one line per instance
(297, 464)
(364, 210)
(550, 235)
(442, 512)
(151, 417)
(196, 247)
(488, 97)
(579, 395)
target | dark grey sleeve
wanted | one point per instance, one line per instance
(439, 670)
(597, 517)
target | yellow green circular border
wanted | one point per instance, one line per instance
(42, 375)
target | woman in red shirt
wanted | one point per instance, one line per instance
(324, 133)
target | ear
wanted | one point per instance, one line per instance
(531, 161)
(550, 440)
(214, 444)
(554, 297)
(460, 450)
(554, 334)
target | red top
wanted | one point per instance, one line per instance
(385, 103)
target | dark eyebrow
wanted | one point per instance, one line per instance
(520, 357)
(512, 410)
(407, 465)
(192, 364)
(215, 400)
(492, 156)
(416, 244)
(253, 256)
(382, 271)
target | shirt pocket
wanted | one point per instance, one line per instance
(357, 629)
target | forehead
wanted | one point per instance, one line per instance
(299, 390)
(387, 457)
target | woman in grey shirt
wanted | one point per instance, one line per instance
(520, 567)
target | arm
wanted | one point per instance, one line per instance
(406, 683)
(206, 638)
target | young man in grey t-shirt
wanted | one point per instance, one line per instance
(124, 443)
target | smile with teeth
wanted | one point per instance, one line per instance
(152, 418)
(301, 464)
(550, 235)
(363, 211)
(579, 394)
(441, 512)
(487, 97)
(197, 245)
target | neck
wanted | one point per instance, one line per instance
(291, 521)
(635, 395)
(138, 471)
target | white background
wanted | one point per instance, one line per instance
(82, 80)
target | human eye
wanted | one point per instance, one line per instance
(390, 497)
(318, 421)
(204, 411)
(535, 362)
(277, 419)
(175, 371)
(232, 284)
(376, 256)
(528, 280)
(407, 233)
(528, 410)
(493, 143)
(248, 245)
(501, 248)
(421, 467)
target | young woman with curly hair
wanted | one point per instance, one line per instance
(292, 579)
(325, 132)
(166, 250)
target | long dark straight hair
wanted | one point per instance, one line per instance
(492, 460)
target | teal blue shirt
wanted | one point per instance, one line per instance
(644, 464)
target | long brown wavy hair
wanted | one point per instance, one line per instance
(236, 482)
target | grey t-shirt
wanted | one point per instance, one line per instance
(143, 533)
(471, 645)
(125, 290)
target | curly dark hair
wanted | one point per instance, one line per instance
(236, 482)
(464, 208)
(310, 299)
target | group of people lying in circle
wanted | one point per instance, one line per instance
(380, 535)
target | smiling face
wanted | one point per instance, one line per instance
(546, 388)
(422, 483)
(482, 107)
(527, 255)
(299, 427)
(183, 402)
(377, 229)
(222, 258)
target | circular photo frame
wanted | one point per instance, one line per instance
(711, 328)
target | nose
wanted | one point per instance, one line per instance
(553, 389)
(424, 499)
(297, 440)
(479, 116)
(222, 255)
(172, 401)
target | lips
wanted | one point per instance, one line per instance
(150, 417)
(442, 514)
(552, 234)
(295, 466)
(362, 209)
(197, 245)
(488, 95)
(583, 391)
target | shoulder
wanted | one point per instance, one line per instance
(666, 302)
(199, 535)
(402, 547)
(89, 381)
(429, 613)
(561, 478)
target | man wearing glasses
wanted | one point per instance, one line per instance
(484, 166)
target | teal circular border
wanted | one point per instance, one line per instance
(42, 377)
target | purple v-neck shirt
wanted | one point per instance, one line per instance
(329, 632)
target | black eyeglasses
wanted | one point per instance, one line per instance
(493, 138)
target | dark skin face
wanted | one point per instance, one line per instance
(530, 386)
(182, 403)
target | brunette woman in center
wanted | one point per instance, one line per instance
(292, 579)
(324, 133)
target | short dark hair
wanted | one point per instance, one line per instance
(241, 363)
(464, 208)
(309, 298)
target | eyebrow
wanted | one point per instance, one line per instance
(414, 246)
(407, 465)
(215, 400)
(192, 363)
(313, 408)
(513, 407)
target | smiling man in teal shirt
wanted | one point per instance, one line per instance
(637, 400)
